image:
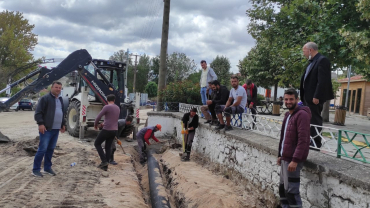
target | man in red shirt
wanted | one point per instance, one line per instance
(144, 135)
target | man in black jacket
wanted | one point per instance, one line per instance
(316, 87)
(49, 115)
(191, 122)
(220, 94)
(251, 90)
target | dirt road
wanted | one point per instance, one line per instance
(79, 186)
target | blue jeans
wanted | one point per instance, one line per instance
(203, 92)
(47, 144)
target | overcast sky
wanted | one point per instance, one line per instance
(202, 29)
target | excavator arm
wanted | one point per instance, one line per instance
(75, 61)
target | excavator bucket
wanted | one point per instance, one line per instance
(3, 138)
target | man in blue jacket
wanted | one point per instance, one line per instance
(49, 115)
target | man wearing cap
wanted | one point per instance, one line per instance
(191, 122)
(144, 135)
(207, 76)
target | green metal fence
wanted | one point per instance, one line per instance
(353, 145)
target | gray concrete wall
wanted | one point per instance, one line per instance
(326, 181)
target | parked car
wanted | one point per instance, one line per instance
(13, 107)
(26, 104)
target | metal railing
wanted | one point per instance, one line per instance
(353, 145)
(336, 142)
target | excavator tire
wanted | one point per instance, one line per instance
(73, 118)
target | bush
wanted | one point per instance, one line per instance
(259, 98)
(151, 88)
(182, 92)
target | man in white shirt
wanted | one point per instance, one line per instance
(207, 76)
(239, 95)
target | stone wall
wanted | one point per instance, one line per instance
(326, 181)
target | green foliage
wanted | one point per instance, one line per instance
(151, 88)
(195, 77)
(259, 98)
(179, 67)
(183, 92)
(221, 66)
(336, 86)
(154, 69)
(16, 42)
(286, 25)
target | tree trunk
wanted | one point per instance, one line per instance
(275, 92)
(325, 111)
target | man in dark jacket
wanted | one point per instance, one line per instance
(220, 94)
(49, 116)
(316, 87)
(293, 149)
(251, 90)
(191, 122)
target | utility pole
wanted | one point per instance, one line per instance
(164, 45)
(349, 80)
(133, 86)
(127, 63)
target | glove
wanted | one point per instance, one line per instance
(119, 142)
(182, 131)
(186, 132)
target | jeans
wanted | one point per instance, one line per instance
(203, 94)
(108, 137)
(47, 144)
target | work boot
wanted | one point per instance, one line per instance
(208, 121)
(50, 172)
(228, 128)
(113, 162)
(103, 164)
(219, 127)
(215, 123)
(37, 174)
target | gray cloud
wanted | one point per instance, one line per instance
(200, 29)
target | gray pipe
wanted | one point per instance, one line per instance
(158, 194)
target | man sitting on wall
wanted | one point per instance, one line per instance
(239, 95)
(219, 97)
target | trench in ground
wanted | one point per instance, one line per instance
(199, 182)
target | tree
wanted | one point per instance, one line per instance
(179, 67)
(221, 66)
(154, 69)
(142, 74)
(195, 77)
(151, 88)
(16, 42)
(120, 56)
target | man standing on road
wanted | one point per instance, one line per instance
(293, 149)
(316, 87)
(251, 90)
(143, 136)
(208, 75)
(109, 131)
(49, 115)
(219, 97)
(191, 122)
(239, 95)
(122, 125)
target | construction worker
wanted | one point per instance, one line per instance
(144, 135)
(191, 122)
(109, 131)
(122, 124)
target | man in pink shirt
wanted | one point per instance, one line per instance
(111, 114)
